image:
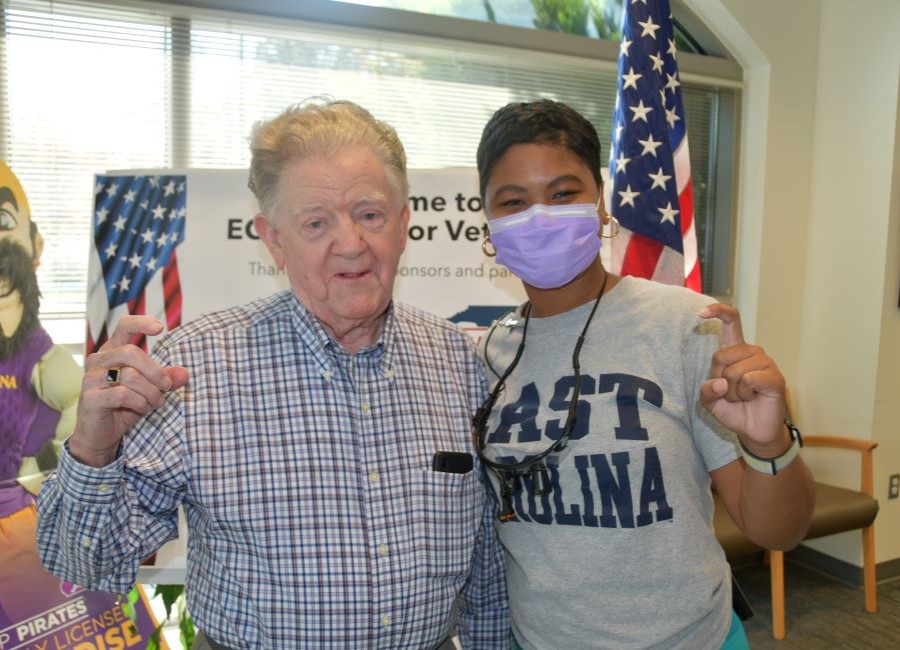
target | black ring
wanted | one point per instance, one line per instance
(112, 377)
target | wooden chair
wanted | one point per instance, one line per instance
(837, 510)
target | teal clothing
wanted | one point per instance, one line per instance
(737, 637)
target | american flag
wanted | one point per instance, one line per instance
(651, 196)
(138, 222)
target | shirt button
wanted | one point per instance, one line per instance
(85, 542)
(327, 375)
(373, 477)
(389, 374)
(103, 488)
(365, 407)
(382, 550)
(385, 620)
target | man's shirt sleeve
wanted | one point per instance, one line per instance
(484, 605)
(95, 525)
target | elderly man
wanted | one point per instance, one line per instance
(317, 439)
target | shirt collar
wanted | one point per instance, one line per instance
(323, 348)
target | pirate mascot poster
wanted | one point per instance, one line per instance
(39, 387)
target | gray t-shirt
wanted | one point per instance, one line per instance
(622, 553)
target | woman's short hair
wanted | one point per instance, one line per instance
(541, 122)
(319, 126)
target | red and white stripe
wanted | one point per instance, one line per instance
(634, 254)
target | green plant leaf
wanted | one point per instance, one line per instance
(186, 625)
(170, 595)
(153, 641)
(128, 605)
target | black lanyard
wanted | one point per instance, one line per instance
(508, 474)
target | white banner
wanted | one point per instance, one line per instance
(222, 262)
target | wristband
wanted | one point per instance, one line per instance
(772, 466)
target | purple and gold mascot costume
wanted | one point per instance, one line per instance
(39, 386)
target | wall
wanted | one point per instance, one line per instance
(886, 423)
(846, 359)
(818, 247)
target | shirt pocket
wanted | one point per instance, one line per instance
(452, 505)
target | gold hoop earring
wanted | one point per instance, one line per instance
(614, 228)
(484, 247)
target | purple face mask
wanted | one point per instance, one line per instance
(547, 246)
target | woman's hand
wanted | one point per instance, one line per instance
(745, 392)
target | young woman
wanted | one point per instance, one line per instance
(616, 404)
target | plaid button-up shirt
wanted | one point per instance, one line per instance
(315, 518)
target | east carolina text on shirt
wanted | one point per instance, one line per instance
(610, 483)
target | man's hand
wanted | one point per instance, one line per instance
(106, 412)
(745, 392)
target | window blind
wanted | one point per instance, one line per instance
(90, 86)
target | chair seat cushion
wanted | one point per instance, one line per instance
(733, 541)
(838, 510)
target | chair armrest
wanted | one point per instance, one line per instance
(864, 447)
(838, 442)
